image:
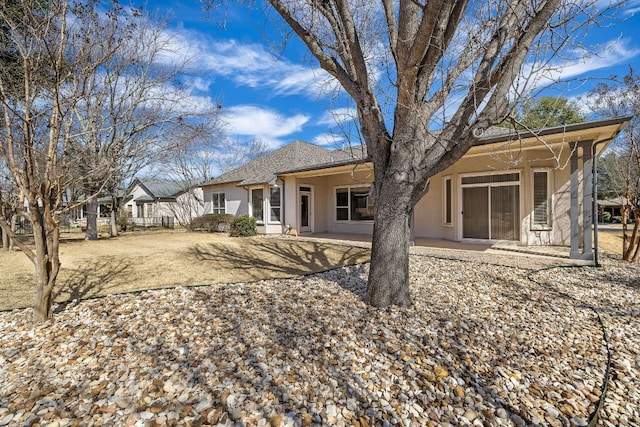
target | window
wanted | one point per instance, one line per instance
(140, 210)
(342, 204)
(218, 204)
(274, 202)
(447, 202)
(541, 200)
(354, 204)
(149, 210)
(257, 204)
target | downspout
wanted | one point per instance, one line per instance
(283, 209)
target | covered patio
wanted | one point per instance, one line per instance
(502, 253)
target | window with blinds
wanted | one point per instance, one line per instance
(541, 200)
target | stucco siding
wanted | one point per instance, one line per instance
(235, 199)
(361, 176)
(429, 212)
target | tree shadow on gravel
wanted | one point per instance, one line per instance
(99, 277)
(603, 298)
(255, 257)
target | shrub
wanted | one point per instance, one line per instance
(243, 226)
(616, 219)
(211, 223)
(124, 221)
(606, 216)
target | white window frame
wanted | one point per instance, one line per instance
(447, 202)
(549, 223)
(348, 206)
(215, 196)
(252, 208)
(279, 207)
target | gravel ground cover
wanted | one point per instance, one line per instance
(484, 344)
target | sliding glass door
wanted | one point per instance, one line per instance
(491, 207)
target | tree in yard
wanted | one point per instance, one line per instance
(621, 165)
(9, 201)
(53, 50)
(427, 78)
(207, 154)
(548, 111)
(133, 111)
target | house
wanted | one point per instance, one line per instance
(154, 202)
(614, 208)
(531, 188)
(77, 208)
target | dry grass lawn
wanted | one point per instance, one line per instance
(610, 241)
(148, 260)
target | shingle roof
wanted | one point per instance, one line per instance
(618, 201)
(162, 188)
(296, 155)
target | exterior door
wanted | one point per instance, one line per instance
(491, 210)
(306, 210)
(475, 213)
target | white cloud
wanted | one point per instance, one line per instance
(613, 53)
(253, 66)
(631, 7)
(338, 116)
(330, 140)
(197, 83)
(268, 125)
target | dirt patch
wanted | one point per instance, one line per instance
(134, 262)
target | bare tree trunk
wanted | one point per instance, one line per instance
(389, 272)
(14, 225)
(630, 243)
(113, 220)
(47, 264)
(5, 235)
(92, 218)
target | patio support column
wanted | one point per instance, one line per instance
(573, 211)
(290, 200)
(587, 202)
(581, 170)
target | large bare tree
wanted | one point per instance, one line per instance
(428, 77)
(134, 111)
(621, 164)
(54, 46)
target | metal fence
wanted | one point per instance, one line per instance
(156, 221)
(25, 228)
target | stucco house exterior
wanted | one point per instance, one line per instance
(147, 201)
(531, 188)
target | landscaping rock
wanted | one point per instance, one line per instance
(483, 344)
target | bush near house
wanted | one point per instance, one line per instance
(606, 216)
(243, 226)
(212, 223)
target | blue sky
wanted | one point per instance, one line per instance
(274, 95)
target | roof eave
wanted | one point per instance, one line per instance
(516, 135)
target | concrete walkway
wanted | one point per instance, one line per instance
(501, 253)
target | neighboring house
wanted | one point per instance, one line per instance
(148, 201)
(613, 207)
(508, 187)
(76, 215)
